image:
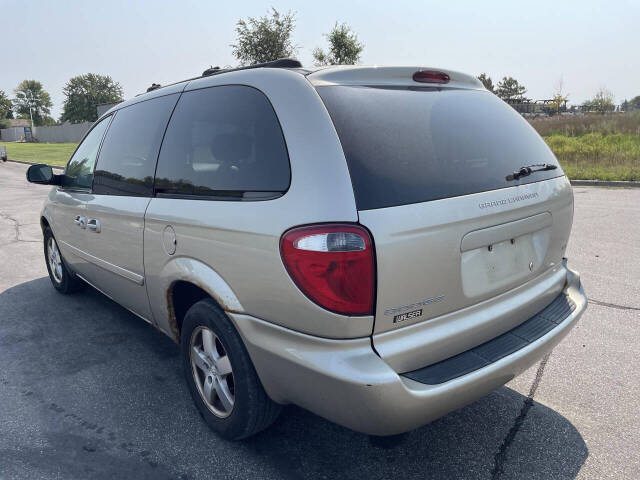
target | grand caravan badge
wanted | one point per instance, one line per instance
(413, 306)
(507, 201)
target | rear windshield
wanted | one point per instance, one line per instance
(410, 145)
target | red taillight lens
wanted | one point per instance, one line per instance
(333, 265)
(431, 76)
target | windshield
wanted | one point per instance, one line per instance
(409, 145)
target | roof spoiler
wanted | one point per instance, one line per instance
(280, 63)
(393, 76)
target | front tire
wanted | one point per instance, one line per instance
(63, 280)
(220, 375)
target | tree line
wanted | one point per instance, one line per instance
(511, 91)
(82, 93)
(258, 40)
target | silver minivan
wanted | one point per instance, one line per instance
(378, 245)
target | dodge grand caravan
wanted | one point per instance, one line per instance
(378, 245)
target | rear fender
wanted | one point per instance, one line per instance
(192, 271)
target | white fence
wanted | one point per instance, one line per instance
(71, 132)
(11, 134)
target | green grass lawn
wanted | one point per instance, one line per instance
(51, 153)
(594, 146)
(596, 156)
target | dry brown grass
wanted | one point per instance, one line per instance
(576, 125)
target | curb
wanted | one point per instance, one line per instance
(33, 163)
(604, 183)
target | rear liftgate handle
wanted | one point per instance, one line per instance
(94, 224)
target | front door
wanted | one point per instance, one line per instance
(67, 208)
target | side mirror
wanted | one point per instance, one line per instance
(42, 174)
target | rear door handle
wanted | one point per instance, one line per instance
(94, 224)
(80, 221)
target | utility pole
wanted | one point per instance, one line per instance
(30, 108)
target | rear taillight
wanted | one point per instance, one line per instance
(431, 76)
(333, 265)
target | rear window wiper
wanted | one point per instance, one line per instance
(529, 169)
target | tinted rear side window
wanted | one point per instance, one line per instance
(415, 145)
(223, 141)
(130, 149)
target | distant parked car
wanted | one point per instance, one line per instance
(378, 245)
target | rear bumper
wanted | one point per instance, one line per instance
(346, 382)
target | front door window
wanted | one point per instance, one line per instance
(79, 171)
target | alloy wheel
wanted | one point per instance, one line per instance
(212, 372)
(55, 260)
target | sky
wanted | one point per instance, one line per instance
(587, 44)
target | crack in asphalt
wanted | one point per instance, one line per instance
(613, 305)
(501, 456)
(17, 229)
(15, 222)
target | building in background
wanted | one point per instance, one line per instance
(102, 108)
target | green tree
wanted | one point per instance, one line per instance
(586, 106)
(634, 103)
(6, 110)
(509, 89)
(559, 103)
(344, 48)
(487, 82)
(6, 107)
(47, 121)
(264, 39)
(32, 101)
(560, 98)
(84, 92)
(602, 102)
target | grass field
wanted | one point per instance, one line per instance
(51, 153)
(595, 147)
(595, 156)
(577, 125)
(589, 147)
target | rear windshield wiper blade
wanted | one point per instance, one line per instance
(529, 169)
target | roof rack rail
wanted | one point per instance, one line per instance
(280, 63)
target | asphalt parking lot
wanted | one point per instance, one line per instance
(88, 390)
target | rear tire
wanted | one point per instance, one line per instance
(221, 378)
(63, 280)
